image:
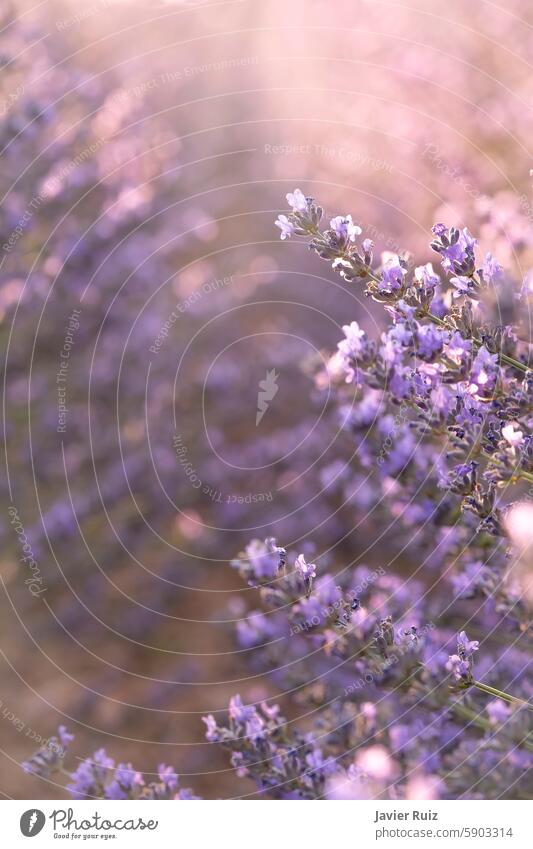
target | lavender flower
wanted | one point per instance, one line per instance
(239, 712)
(456, 248)
(392, 275)
(492, 271)
(460, 664)
(484, 371)
(345, 229)
(97, 777)
(125, 783)
(297, 201)
(306, 571)
(287, 227)
(49, 758)
(466, 646)
(91, 777)
(354, 344)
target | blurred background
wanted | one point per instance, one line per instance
(147, 148)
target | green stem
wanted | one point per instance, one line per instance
(492, 691)
(512, 362)
(526, 475)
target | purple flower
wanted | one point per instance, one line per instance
(484, 371)
(50, 756)
(465, 646)
(392, 275)
(430, 340)
(344, 228)
(463, 285)
(458, 349)
(64, 735)
(458, 666)
(297, 201)
(456, 248)
(255, 728)
(306, 570)
(401, 382)
(91, 776)
(402, 311)
(287, 227)
(262, 559)
(426, 276)
(354, 344)
(343, 266)
(401, 333)
(394, 342)
(212, 733)
(470, 411)
(168, 778)
(270, 711)
(240, 712)
(317, 763)
(125, 782)
(492, 270)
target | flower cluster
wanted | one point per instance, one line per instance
(395, 709)
(282, 763)
(98, 777)
(440, 409)
(462, 383)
